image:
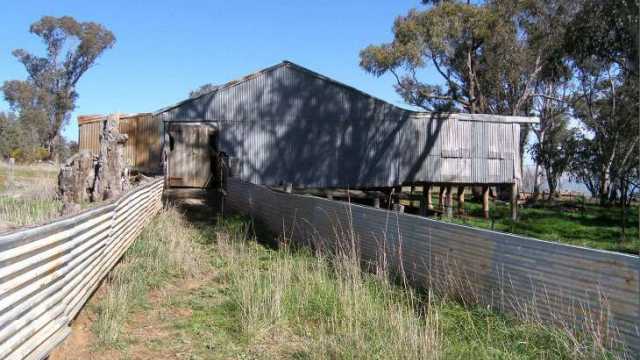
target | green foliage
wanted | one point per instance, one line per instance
(553, 59)
(557, 150)
(489, 55)
(20, 138)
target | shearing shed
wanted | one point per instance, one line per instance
(289, 125)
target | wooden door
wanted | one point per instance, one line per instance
(191, 150)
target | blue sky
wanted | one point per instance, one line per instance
(164, 49)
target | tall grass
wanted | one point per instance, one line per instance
(335, 311)
(27, 195)
(166, 249)
(332, 309)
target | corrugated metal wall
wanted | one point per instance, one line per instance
(552, 282)
(89, 135)
(143, 148)
(48, 272)
(288, 124)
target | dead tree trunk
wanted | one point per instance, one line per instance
(89, 178)
(112, 178)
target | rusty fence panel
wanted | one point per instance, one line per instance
(48, 272)
(566, 285)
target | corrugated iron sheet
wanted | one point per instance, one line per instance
(551, 282)
(287, 124)
(47, 273)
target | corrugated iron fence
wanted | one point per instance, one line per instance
(566, 285)
(47, 273)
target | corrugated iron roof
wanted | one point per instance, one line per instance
(458, 116)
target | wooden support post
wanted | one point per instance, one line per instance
(413, 191)
(288, 188)
(485, 201)
(425, 201)
(449, 202)
(461, 200)
(514, 201)
(441, 196)
(426, 190)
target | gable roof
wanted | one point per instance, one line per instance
(286, 63)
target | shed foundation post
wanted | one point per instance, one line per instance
(449, 201)
(485, 201)
(441, 197)
(461, 200)
(514, 201)
(425, 202)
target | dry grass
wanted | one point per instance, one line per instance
(166, 250)
(27, 195)
(326, 307)
(260, 303)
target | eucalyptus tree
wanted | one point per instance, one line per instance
(72, 48)
(602, 40)
(491, 57)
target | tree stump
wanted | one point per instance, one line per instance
(75, 181)
(112, 178)
(89, 178)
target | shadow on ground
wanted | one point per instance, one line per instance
(199, 208)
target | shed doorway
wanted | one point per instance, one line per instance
(193, 156)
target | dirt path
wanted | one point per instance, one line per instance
(150, 332)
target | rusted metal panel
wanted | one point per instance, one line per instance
(303, 128)
(48, 272)
(545, 281)
(143, 148)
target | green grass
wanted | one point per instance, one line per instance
(256, 302)
(267, 303)
(594, 226)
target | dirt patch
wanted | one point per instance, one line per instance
(150, 332)
(79, 345)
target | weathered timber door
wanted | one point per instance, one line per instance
(191, 154)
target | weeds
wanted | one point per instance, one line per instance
(328, 308)
(292, 303)
(167, 249)
(27, 195)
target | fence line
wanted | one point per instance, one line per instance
(48, 272)
(556, 283)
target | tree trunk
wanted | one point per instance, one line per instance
(536, 183)
(111, 179)
(604, 186)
